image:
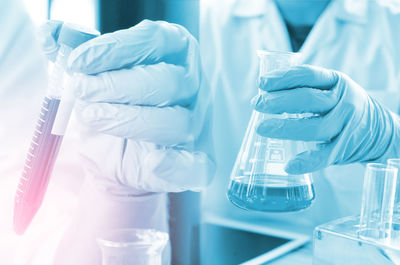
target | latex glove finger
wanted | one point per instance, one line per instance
(148, 42)
(48, 36)
(164, 126)
(299, 100)
(299, 76)
(157, 85)
(305, 129)
(169, 170)
(309, 161)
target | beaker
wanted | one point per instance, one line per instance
(377, 201)
(132, 246)
(258, 180)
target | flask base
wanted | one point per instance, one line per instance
(270, 198)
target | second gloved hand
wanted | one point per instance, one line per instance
(349, 125)
(144, 109)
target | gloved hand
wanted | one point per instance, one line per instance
(144, 107)
(348, 125)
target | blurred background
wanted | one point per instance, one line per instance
(110, 15)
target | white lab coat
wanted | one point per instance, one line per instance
(23, 82)
(362, 41)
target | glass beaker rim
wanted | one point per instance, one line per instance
(150, 237)
(381, 167)
(391, 161)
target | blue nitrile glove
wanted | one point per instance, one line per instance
(348, 125)
(144, 109)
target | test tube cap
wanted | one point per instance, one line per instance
(74, 35)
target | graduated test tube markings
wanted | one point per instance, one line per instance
(32, 149)
(24, 176)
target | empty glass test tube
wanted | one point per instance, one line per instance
(395, 231)
(378, 201)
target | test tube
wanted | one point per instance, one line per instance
(378, 201)
(132, 246)
(395, 233)
(395, 162)
(49, 131)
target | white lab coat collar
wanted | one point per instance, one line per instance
(352, 11)
(346, 10)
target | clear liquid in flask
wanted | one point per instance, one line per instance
(270, 196)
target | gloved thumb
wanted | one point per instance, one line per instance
(47, 36)
(307, 162)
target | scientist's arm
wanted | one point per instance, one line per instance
(349, 125)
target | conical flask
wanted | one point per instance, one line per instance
(258, 180)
